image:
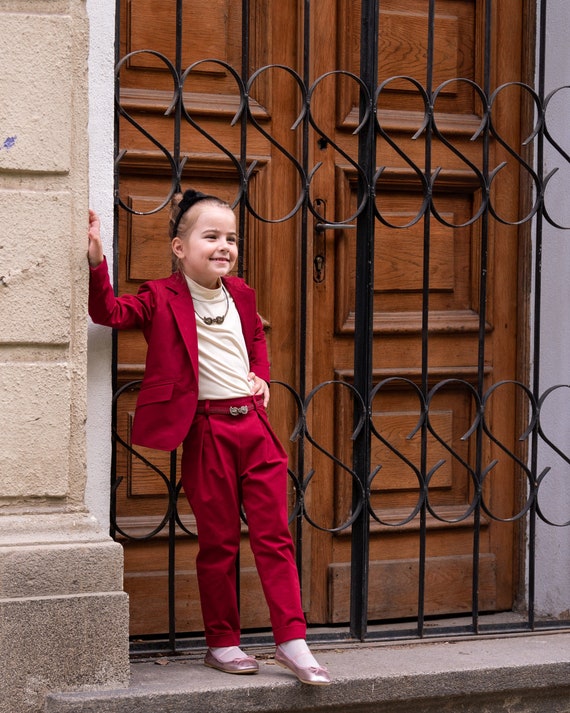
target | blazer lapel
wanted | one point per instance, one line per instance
(243, 305)
(183, 310)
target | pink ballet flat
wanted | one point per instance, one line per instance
(245, 664)
(313, 675)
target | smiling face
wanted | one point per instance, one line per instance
(207, 244)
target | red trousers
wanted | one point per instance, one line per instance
(228, 461)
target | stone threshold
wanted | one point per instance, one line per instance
(526, 673)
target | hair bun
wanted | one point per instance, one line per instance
(189, 198)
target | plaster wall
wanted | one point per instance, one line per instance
(101, 145)
(553, 570)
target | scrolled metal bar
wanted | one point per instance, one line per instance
(530, 500)
(548, 99)
(419, 215)
(483, 182)
(299, 425)
(456, 456)
(296, 434)
(422, 492)
(287, 154)
(348, 522)
(331, 142)
(556, 449)
(557, 147)
(362, 86)
(539, 509)
(350, 387)
(540, 405)
(175, 170)
(355, 480)
(518, 158)
(131, 385)
(170, 493)
(196, 125)
(299, 81)
(425, 184)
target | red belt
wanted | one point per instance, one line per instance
(229, 407)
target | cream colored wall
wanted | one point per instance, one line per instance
(553, 544)
(60, 573)
(43, 195)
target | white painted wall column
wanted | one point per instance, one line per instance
(553, 544)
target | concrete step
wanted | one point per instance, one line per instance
(518, 674)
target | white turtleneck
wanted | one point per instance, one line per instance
(223, 363)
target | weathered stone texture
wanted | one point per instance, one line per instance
(35, 286)
(34, 430)
(35, 125)
(63, 614)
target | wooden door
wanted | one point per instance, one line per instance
(273, 261)
(454, 317)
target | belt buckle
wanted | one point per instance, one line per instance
(238, 410)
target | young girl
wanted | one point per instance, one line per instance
(206, 387)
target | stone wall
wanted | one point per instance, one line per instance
(63, 614)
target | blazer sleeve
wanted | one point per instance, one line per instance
(125, 312)
(258, 359)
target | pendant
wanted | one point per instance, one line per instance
(213, 320)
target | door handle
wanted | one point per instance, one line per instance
(319, 240)
(320, 244)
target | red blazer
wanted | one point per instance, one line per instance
(164, 310)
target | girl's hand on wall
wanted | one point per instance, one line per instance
(95, 253)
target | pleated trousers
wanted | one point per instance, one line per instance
(230, 461)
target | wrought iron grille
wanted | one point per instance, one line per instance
(364, 389)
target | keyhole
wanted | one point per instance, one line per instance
(319, 268)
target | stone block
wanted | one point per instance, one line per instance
(63, 614)
(34, 430)
(35, 264)
(36, 61)
(61, 643)
(47, 570)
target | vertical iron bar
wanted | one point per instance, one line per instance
(242, 205)
(178, 110)
(243, 130)
(173, 503)
(172, 555)
(537, 319)
(482, 324)
(425, 320)
(304, 279)
(364, 311)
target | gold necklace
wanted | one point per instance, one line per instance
(220, 319)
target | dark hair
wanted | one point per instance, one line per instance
(183, 202)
